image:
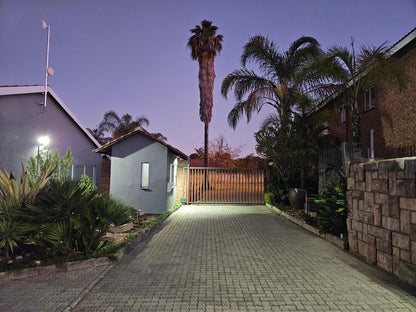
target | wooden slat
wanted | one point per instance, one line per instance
(226, 185)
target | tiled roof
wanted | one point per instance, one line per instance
(106, 148)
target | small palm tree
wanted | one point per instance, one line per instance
(116, 126)
(354, 71)
(284, 81)
(205, 44)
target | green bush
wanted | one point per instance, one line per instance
(333, 211)
(268, 198)
(277, 188)
(72, 218)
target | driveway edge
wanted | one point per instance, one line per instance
(337, 241)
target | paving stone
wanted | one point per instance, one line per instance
(219, 258)
(233, 258)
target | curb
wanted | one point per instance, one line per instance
(55, 268)
(328, 237)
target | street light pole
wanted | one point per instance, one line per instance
(47, 70)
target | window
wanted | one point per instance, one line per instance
(145, 176)
(326, 130)
(172, 174)
(369, 99)
(77, 171)
(342, 113)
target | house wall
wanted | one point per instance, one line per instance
(171, 195)
(182, 180)
(382, 221)
(125, 182)
(399, 108)
(392, 118)
(23, 121)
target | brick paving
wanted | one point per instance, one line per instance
(233, 258)
(218, 258)
(47, 292)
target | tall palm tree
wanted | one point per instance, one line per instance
(285, 79)
(353, 72)
(204, 45)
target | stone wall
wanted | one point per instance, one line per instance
(382, 223)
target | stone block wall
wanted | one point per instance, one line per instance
(382, 222)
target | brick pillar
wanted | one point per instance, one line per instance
(105, 175)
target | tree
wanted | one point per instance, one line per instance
(353, 72)
(221, 153)
(115, 126)
(204, 45)
(285, 79)
(289, 149)
(160, 136)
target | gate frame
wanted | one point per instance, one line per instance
(255, 183)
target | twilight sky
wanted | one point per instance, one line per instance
(130, 55)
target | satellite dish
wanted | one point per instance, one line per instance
(50, 71)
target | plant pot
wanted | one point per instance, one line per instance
(297, 198)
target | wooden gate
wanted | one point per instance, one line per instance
(225, 185)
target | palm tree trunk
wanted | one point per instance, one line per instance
(206, 152)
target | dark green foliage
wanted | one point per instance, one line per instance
(47, 158)
(291, 148)
(72, 218)
(278, 189)
(333, 211)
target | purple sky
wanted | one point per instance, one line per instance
(130, 55)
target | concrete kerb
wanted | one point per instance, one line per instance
(342, 244)
(76, 265)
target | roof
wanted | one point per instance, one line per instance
(16, 90)
(394, 50)
(106, 148)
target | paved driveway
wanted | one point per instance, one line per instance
(218, 258)
(233, 258)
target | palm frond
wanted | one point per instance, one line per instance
(235, 114)
(243, 81)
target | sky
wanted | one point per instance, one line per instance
(130, 56)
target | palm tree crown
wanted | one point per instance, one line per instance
(283, 78)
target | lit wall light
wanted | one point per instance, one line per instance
(43, 141)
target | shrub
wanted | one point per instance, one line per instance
(276, 187)
(333, 211)
(268, 198)
(46, 158)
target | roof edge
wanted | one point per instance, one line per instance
(106, 147)
(13, 90)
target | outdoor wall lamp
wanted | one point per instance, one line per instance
(43, 141)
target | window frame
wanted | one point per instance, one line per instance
(144, 175)
(369, 99)
(343, 113)
(94, 171)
